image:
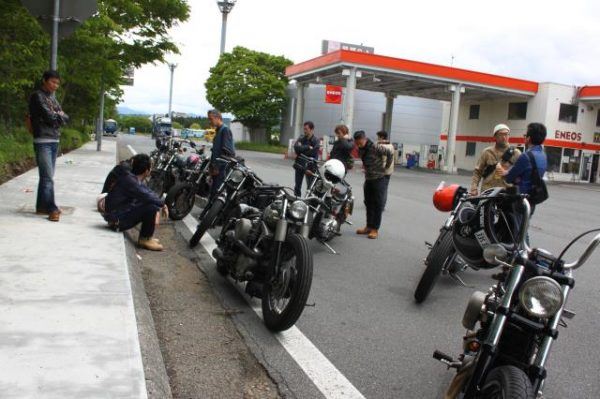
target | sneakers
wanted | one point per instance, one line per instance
(150, 244)
(373, 234)
(364, 230)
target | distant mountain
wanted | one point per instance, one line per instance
(128, 111)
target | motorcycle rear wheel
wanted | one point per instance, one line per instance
(284, 298)
(156, 182)
(507, 382)
(180, 200)
(441, 253)
(207, 221)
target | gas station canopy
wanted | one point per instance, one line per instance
(409, 78)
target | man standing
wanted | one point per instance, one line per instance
(521, 173)
(382, 139)
(307, 145)
(500, 153)
(47, 117)
(222, 146)
(342, 147)
(374, 186)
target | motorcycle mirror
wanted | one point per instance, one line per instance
(493, 253)
(192, 144)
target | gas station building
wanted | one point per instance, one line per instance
(444, 114)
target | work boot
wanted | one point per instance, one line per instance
(364, 230)
(150, 244)
(373, 234)
(54, 216)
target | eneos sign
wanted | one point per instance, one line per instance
(333, 94)
(571, 136)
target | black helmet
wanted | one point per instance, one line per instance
(489, 220)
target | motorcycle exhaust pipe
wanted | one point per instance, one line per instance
(247, 251)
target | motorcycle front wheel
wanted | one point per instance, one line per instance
(180, 200)
(507, 382)
(207, 221)
(441, 253)
(285, 296)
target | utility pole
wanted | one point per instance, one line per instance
(55, 21)
(225, 6)
(172, 68)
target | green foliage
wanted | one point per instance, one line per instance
(71, 139)
(250, 146)
(177, 125)
(189, 120)
(251, 85)
(195, 126)
(141, 123)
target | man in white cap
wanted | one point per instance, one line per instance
(500, 153)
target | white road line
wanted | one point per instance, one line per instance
(131, 150)
(326, 377)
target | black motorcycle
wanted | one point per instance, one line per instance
(194, 181)
(168, 163)
(263, 248)
(518, 317)
(238, 187)
(335, 204)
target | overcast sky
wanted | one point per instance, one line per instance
(543, 41)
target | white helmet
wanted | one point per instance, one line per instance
(334, 170)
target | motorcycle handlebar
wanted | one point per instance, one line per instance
(585, 255)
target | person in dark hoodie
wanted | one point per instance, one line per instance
(46, 117)
(130, 202)
(307, 145)
(372, 155)
(342, 148)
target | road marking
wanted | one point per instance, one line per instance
(326, 377)
(131, 150)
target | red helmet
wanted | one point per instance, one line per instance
(446, 198)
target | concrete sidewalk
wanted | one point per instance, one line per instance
(67, 321)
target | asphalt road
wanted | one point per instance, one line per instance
(365, 320)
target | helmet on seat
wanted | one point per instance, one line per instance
(446, 198)
(334, 171)
(491, 220)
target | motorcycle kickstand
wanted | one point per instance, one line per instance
(459, 280)
(333, 251)
(349, 222)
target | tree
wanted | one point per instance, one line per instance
(252, 86)
(195, 126)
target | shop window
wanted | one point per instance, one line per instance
(471, 148)
(598, 118)
(517, 111)
(474, 111)
(570, 161)
(568, 113)
(554, 156)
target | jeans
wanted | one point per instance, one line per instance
(374, 191)
(299, 176)
(217, 181)
(45, 157)
(143, 213)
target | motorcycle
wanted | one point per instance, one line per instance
(336, 201)
(442, 258)
(167, 164)
(518, 317)
(262, 247)
(238, 187)
(192, 182)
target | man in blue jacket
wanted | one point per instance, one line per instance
(222, 146)
(520, 173)
(130, 202)
(307, 145)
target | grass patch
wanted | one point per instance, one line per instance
(272, 148)
(16, 148)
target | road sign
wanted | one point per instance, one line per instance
(72, 13)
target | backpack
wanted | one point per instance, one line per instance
(539, 191)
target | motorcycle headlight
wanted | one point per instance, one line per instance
(236, 176)
(541, 297)
(272, 211)
(298, 210)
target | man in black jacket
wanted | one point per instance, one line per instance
(374, 187)
(130, 202)
(307, 145)
(46, 118)
(222, 146)
(342, 148)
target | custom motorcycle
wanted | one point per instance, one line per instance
(442, 258)
(238, 187)
(168, 163)
(336, 201)
(518, 317)
(192, 182)
(263, 248)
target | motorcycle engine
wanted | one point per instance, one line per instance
(327, 228)
(242, 231)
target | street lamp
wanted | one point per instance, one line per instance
(225, 6)
(172, 68)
